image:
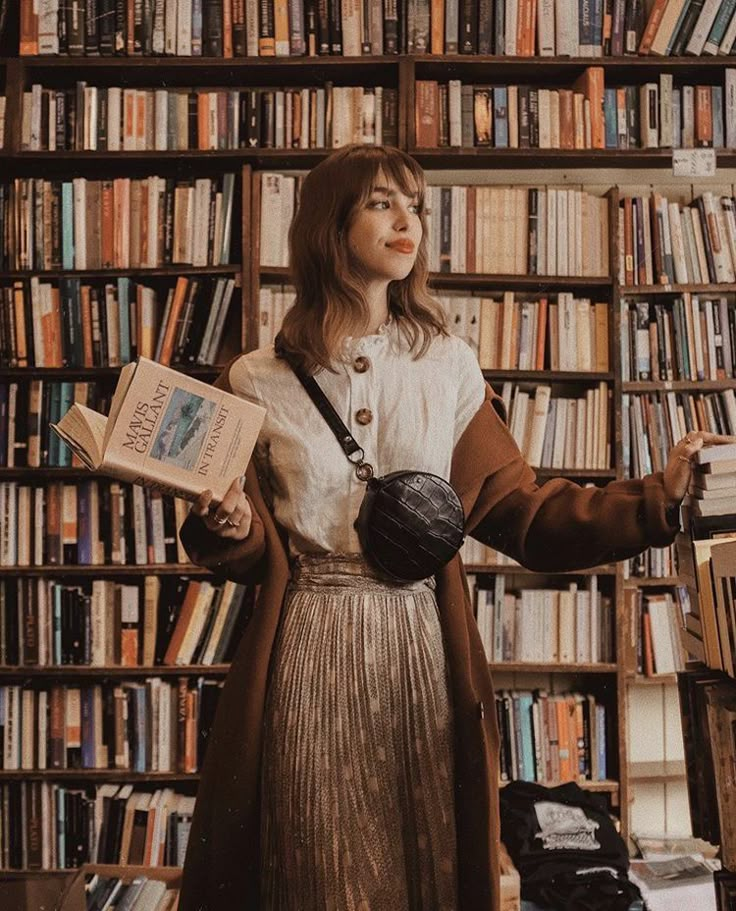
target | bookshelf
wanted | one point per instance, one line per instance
(606, 171)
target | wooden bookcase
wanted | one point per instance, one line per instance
(396, 71)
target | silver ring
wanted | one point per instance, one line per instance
(232, 524)
(219, 521)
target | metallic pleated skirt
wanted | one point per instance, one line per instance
(357, 806)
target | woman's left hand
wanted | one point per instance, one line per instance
(679, 466)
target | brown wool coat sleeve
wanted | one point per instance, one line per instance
(559, 526)
(242, 561)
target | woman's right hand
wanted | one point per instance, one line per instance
(232, 518)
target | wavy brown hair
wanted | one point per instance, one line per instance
(330, 299)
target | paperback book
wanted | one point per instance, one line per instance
(166, 431)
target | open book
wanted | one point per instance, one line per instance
(166, 430)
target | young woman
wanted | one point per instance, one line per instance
(353, 761)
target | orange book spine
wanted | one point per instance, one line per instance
(650, 29)
(541, 333)
(646, 631)
(167, 346)
(227, 28)
(183, 621)
(438, 26)
(470, 239)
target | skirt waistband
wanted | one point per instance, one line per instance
(338, 570)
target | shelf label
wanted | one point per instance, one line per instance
(694, 162)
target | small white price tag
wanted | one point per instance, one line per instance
(694, 162)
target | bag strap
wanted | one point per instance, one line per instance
(347, 442)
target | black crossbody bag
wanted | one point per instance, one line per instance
(410, 523)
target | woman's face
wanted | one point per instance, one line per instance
(385, 234)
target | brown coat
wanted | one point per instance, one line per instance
(559, 526)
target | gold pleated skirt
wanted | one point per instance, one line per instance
(357, 810)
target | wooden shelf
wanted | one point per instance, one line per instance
(143, 569)
(75, 671)
(173, 271)
(678, 385)
(490, 568)
(484, 157)
(551, 668)
(541, 283)
(95, 775)
(88, 373)
(657, 772)
(549, 376)
(649, 582)
(632, 290)
(656, 680)
(602, 786)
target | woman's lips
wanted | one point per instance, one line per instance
(402, 246)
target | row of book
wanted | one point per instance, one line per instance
(88, 523)
(240, 28)
(157, 725)
(652, 423)
(691, 337)
(663, 242)
(557, 332)
(552, 738)
(658, 618)
(119, 223)
(137, 893)
(150, 622)
(27, 409)
(654, 563)
(71, 323)
(117, 119)
(546, 625)
(586, 115)
(60, 826)
(560, 431)
(479, 229)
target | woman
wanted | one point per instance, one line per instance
(352, 764)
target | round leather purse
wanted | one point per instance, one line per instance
(410, 523)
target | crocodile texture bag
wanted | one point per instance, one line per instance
(410, 523)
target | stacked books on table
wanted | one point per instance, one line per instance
(706, 557)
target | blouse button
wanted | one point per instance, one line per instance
(364, 416)
(361, 364)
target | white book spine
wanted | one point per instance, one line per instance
(702, 27)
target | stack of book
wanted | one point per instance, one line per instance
(706, 555)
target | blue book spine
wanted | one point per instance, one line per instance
(719, 139)
(88, 728)
(527, 737)
(124, 311)
(610, 115)
(141, 732)
(600, 716)
(196, 28)
(54, 416)
(500, 117)
(67, 225)
(56, 622)
(84, 541)
(66, 402)
(61, 825)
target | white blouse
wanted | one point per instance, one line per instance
(415, 411)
